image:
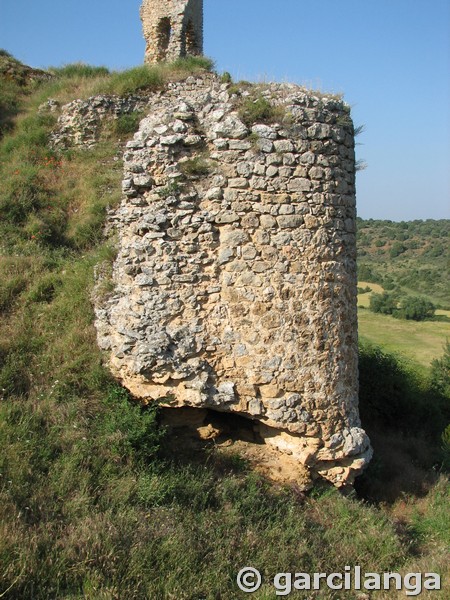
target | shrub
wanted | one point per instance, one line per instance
(137, 426)
(397, 249)
(151, 78)
(128, 123)
(171, 189)
(446, 448)
(395, 394)
(415, 308)
(260, 110)
(10, 93)
(196, 167)
(440, 371)
(22, 194)
(368, 273)
(10, 289)
(383, 303)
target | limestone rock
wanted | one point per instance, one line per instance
(235, 288)
(172, 29)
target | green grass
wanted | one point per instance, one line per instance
(259, 110)
(95, 502)
(421, 342)
(152, 78)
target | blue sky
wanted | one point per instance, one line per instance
(390, 58)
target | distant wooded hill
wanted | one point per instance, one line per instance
(410, 256)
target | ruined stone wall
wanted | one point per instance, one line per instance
(235, 280)
(172, 29)
(81, 121)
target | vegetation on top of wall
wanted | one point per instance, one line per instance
(94, 501)
(259, 110)
(153, 77)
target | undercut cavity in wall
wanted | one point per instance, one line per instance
(163, 35)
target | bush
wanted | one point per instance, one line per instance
(368, 273)
(22, 194)
(151, 78)
(397, 249)
(9, 104)
(364, 290)
(127, 124)
(440, 371)
(446, 448)
(196, 167)
(397, 395)
(226, 77)
(139, 433)
(383, 303)
(415, 308)
(10, 290)
(260, 110)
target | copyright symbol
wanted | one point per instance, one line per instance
(249, 580)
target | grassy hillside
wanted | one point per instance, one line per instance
(95, 501)
(411, 257)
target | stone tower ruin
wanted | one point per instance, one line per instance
(172, 29)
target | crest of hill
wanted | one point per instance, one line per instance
(13, 70)
(16, 80)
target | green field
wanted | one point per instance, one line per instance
(419, 341)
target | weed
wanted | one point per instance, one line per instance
(151, 78)
(79, 70)
(260, 110)
(133, 81)
(197, 166)
(226, 77)
(171, 189)
(191, 64)
(128, 123)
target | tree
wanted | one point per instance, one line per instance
(415, 308)
(383, 303)
(397, 249)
